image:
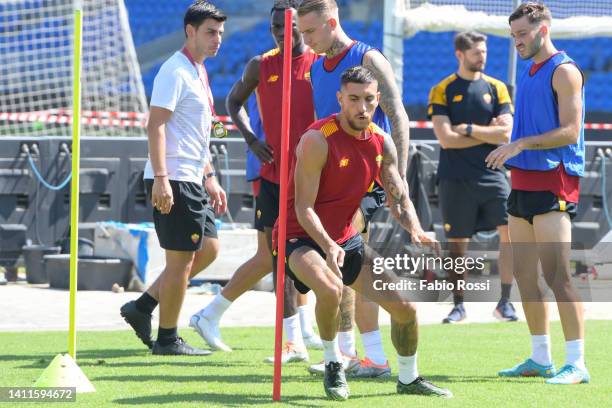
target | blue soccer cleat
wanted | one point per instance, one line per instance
(570, 374)
(529, 368)
(456, 315)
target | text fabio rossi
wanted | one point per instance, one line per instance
(412, 264)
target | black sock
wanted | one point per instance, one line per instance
(146, 303)
(506, 288)
(166, 336)
(457, 299)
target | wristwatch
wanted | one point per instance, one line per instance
(468, 130)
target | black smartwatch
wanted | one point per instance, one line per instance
(468, 130)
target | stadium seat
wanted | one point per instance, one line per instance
(428, 56)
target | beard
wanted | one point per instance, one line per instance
(356, 126)
(475, 67)
(534, 48)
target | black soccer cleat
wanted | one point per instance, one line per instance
(178, 348)
(420, 386)
(140, 322)
(334, 381)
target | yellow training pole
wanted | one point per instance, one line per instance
(74, 193)
(63, 370)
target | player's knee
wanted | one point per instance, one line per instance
(330, 294)
(525, 276)
(562, 289)
(530, 290)
(263, 260)
(211, 246)
(405, 312)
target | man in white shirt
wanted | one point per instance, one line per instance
(178, 130)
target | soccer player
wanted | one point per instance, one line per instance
(263, 75)
(179, 128)
(337, 161)
(472, 114)
(320, 24)
(546, 158)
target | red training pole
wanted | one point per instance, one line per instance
(282, 205)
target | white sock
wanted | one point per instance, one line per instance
(306, 321)
(372, 343)
(346, 342)
(407, 366)
(574, 353)
(216, 308)
(331, 351)
(293, 331)
(540, 349)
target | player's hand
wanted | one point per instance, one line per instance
(420, 237)
(262, 150)
(218, 199)
(497, 158)
(503, 120)
(335, 258)
(461, 129)
(161, 195)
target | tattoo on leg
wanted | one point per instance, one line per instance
(347, 309)
(405, 337)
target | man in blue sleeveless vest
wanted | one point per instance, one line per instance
(546, 158)
(319, 23)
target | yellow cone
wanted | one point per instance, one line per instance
(64, 372)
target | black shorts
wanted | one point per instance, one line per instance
(469, 206)
(190, 219)
(370, 203)
(266, 205)
(353, 259)
(528, 204)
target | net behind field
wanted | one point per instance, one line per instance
(430, 26)
(36, 41)
(559, 8)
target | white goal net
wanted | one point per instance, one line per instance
(36, 49)
(571, 19)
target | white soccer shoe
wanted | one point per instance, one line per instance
(313, 342)
(209, 332)
(291, 354)
(348, 363)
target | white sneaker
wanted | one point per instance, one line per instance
(291, 354)
(348, 363)
(313, 342)
(209, 332)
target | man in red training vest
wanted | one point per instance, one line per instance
(336, 162)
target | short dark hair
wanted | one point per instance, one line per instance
(199, 11)
(535, 12)
(320, 7)
(282, 5)
(466, 40)
(357, 75)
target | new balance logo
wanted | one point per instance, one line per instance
(273, 78)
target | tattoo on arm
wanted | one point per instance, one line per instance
(397, 190)
(391, 103)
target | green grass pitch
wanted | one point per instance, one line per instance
(464, 358)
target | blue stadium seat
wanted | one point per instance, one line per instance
(428, 56)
